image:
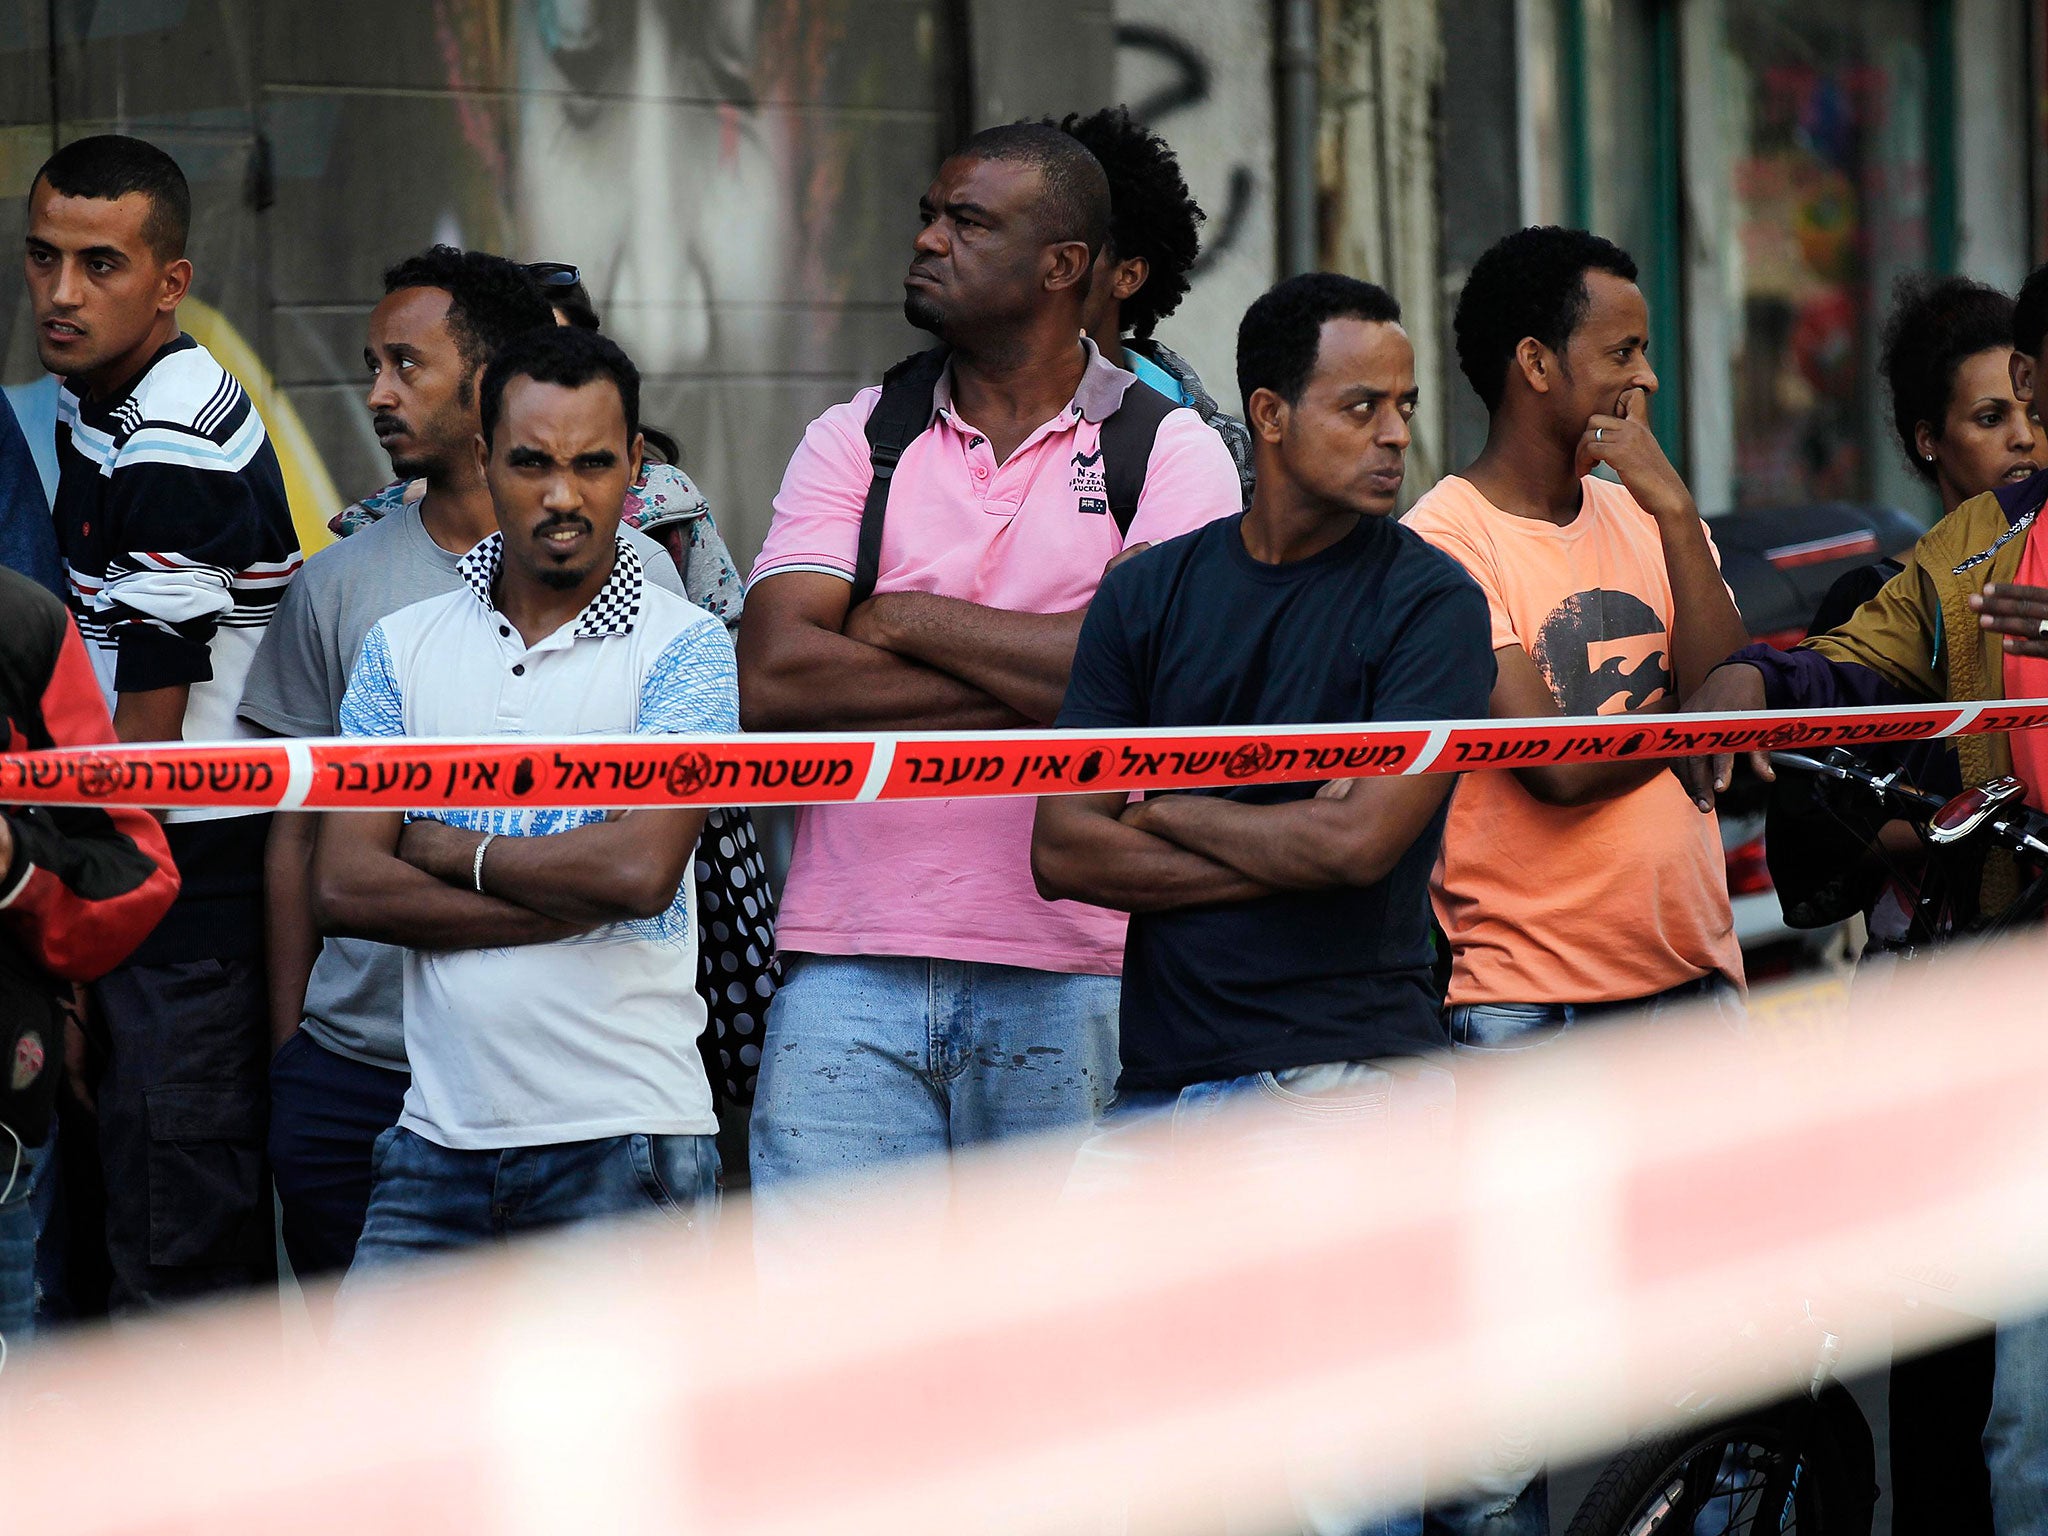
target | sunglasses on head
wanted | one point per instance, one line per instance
(553, 274)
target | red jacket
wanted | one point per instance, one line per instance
(83, 886)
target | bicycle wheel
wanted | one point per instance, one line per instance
(1769, 1473)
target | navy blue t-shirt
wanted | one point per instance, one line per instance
(1379, 626)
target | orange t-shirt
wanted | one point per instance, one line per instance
(2026, 677)
(1588, 904)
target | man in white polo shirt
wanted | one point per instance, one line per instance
(551, 1011)
(933, 999)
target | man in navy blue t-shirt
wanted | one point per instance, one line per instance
(1279, 941)
(1280, 929)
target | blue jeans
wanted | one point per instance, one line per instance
(17, 1243)
(1510, 1496)
(427, 1199)
(1142, 1126)
(1517, 1026)
(1337, 1093)
(870, 1060)
(326, 1113)
(2016, 1435)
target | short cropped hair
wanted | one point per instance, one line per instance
(112, 165)
(1151, 212)
(1936, 325)
(1076, 201)
(2030, 313)
(1531, 283)
(490, 299)
(560, 354)
(1280, 335)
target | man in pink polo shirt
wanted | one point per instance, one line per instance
(934, 999)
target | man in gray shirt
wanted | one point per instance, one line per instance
(338, 1078)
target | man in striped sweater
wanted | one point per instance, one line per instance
(177, 544)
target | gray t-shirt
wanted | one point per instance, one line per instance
(354, 998)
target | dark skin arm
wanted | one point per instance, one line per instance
(1352, 832)
(1083, 849)
(628, 866)
(1021, 659)
(1737, 688)
(800, 671)
(2016, 614)
(155, 715)
(1705, 628)
(363, 889)
(291, 942)
(1520, 693)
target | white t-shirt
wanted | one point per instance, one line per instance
(594, 1036)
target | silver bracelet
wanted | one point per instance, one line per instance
(476, 865)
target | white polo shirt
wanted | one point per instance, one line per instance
(594, 1036)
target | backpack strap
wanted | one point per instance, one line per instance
(898, 419)
(1127, 437)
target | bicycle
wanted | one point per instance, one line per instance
(1807, 1463)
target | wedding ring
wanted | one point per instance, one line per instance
(2041, 629)
(1599, 434)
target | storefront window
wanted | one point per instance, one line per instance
(1824, 112)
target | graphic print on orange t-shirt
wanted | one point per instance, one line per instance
(1595, 903)
(1603, 653)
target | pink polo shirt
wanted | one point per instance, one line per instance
(951, 879)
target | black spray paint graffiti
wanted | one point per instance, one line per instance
(1189, 87)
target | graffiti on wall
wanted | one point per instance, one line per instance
(1196, 73)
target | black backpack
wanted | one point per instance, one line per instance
(904, 412)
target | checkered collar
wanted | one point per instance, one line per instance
(614, 611)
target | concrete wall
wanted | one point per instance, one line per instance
(1382, 65)
(1201, 73)
(737, 178)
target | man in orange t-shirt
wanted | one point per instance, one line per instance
(1571, 891)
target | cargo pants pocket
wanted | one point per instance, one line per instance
(206, 1186)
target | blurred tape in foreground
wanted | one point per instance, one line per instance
(1606, 1222)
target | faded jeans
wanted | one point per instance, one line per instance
(2016, 1435)
(17, 1242)
(1511, 1495)
(1305, 1101)
(873, 1060)
(427, 1199)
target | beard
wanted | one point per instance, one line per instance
(922, 311)
(560, 578)
(416, 465)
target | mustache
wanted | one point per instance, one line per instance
(381, 423)
(564, 520)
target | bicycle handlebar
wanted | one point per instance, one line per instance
(2019, 829)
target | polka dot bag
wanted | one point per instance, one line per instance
(737, 971)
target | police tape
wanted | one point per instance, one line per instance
(1299, 1308)
(828, 768)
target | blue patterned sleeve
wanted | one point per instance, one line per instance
(693, 685)
(373, 706)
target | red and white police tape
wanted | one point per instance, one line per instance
(1301, 1306)
(357, 773)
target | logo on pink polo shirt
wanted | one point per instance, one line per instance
(1089, 483)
